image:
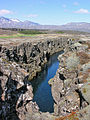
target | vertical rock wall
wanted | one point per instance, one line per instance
(32, 56)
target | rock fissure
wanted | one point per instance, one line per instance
(70, 86)
(18, 64)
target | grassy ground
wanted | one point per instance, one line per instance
(22, 33)
(16, 35)
(10, 33)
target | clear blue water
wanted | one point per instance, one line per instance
(41, 88)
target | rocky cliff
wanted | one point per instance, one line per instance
(19, 63)
(71, 84)
(22, 59)
(32, 56)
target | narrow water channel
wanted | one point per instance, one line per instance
(41, 88)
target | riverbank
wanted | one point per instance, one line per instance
(71, 84)
(41, 88)
(32, 53)
(20, 60)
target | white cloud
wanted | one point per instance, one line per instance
(76, 3)
(64, 5)
(82, 11)
(32, 15)
(4, 12)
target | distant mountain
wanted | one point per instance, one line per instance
(14, 20)
(80, 26)
(15, 23)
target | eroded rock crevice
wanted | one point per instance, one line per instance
(33, 56)
(18, 64)
(70, 86)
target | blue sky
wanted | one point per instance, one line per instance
(48, 12)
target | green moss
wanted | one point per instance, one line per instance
(5, 60)
(50, 82)
(84, 90)
(73, 39)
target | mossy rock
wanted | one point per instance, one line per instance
(85, 90)
(50, 82)
(84, 114)
(72, 62)
(86, 66)
(67, 82)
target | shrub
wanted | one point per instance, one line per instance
(31, 32)
(59, 32)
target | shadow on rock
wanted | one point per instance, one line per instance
(9, 98)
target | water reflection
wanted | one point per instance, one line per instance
(41, 88)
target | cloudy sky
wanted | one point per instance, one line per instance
(50, 12)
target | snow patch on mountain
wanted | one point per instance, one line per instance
(15, 20)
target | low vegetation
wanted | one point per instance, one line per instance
(15, 36)
(14, 33)
(72, 116)
(84, 58)
(31, 32)
(60, 32)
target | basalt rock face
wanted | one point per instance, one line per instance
(18, 64)
(71, 84)
(15, 92)
(33, 56)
